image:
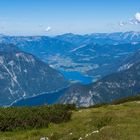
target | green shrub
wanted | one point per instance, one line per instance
(33, 117)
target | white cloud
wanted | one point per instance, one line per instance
(133, 21)
(122, 23)
(136, 22)
(137, 17)
(48, 29)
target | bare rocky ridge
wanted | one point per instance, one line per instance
(22, 75)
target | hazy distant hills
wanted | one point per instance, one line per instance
(95, 55)
(101, 38)
(22, 75)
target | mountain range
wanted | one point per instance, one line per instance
(28, 63)
(94, 55)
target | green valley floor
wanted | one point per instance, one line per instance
(109, 122)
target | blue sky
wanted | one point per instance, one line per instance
(50, 17)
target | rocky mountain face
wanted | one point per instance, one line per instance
(115, 86)
(129, 61)
(22, 75)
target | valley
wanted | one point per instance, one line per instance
(91, 71)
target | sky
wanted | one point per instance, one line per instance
(52, 17)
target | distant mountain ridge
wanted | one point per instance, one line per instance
(101, 38)
(97, 38)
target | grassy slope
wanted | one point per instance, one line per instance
(114, 122)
